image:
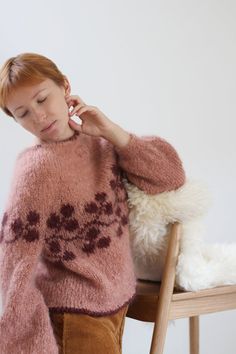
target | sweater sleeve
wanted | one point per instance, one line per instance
(152, 164)
(25, 325)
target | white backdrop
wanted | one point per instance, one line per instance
(154, 67)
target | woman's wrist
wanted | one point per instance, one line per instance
(117, 136)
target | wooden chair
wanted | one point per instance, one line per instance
(160, 302)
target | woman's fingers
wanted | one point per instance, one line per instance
(75, 125)
(76, 108)
(82, 110)
(74, 99)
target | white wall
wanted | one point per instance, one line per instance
(154, 67)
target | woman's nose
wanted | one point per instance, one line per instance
(39, 114)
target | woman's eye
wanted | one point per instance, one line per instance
(42, 100)
(38, 102)
(24, 114)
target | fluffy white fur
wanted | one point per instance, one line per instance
(199, 265)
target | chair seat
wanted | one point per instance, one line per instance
(183, 303)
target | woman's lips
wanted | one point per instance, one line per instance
(48, 127)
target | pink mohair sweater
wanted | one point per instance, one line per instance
(64, 241)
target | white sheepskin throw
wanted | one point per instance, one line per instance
(200, 265)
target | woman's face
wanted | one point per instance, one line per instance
(36, 107)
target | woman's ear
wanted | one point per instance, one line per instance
(67, 87)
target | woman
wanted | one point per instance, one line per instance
(66, 269)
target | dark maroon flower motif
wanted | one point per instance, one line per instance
(17, 226)
(113, 184)
(55, 246)
(100, 197)
(91, 208)
(71, 225)
(104, 242)
(33, 218)
(118, 211)
(108, 208)
(92, 233)
(88, 233)
(68, 256)
(103, 214)
(67, 210)
(31, 235)
(88, 247)
(53, 222)
(58, 263)
(115, 170)
(124, 220)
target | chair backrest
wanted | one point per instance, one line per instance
(168, 277)
(167, 288)
(173, 248)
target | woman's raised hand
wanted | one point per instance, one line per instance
(94, 122)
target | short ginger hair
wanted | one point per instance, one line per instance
(26, 69)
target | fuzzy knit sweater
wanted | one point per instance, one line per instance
(64, 241)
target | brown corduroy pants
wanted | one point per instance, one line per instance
(77, 333)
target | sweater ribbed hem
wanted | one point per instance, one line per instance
(88, 312)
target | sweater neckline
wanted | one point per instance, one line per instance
(57, 143)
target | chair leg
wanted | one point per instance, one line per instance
(194, 334)
(159, 335)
